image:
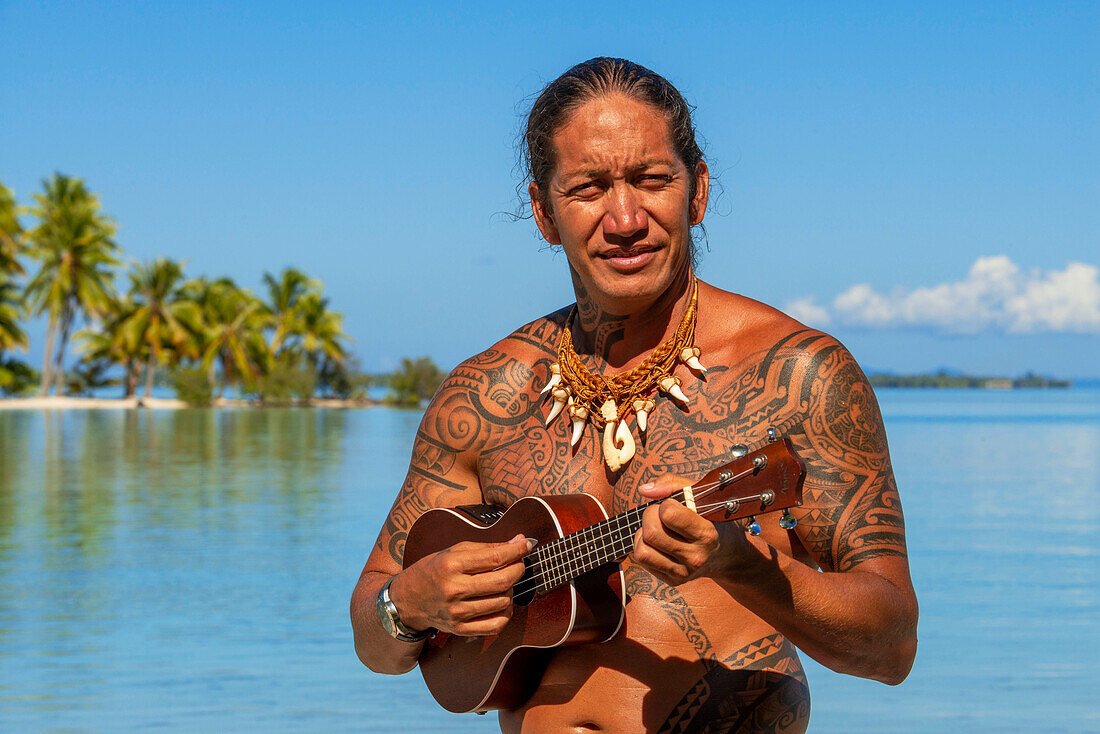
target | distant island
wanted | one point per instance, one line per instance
(944, 379)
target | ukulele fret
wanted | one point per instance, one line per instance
(564, 559)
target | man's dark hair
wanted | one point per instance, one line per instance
(599, 77)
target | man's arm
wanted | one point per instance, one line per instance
(859, 615)
(464, 590)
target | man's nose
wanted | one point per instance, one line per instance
(624, 216)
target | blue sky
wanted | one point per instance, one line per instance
(922, 180)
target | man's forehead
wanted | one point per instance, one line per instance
(613, 132)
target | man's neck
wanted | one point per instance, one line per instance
(616, 340)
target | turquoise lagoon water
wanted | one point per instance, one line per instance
(190, 570)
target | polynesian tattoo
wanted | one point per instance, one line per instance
(806, 386)
(607, 329)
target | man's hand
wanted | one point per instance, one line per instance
(465, 590)
(677, 545)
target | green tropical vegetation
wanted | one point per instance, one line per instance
(944, 379)
(74, 246)
(202, 336)
(414, 382)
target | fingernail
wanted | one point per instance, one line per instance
(647, 486)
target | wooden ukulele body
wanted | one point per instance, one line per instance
(502, 671)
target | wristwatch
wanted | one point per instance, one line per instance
(391, 620)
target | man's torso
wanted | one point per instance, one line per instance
(688, 658)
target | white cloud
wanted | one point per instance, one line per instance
(1067, 300)
(995, 295)
(808, 312)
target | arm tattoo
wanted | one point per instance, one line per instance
(483, 400)
(852, 507)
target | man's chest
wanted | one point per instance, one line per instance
(529, 457)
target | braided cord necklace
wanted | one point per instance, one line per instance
(608, 400)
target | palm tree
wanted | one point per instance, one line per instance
(11, 335)
(284, 294)
(162, 321)
(11, 234)
(320, 331)
(235, 321)
(109, 343)
(73, 241)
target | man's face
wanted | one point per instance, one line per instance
(618, 202)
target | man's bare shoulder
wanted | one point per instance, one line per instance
(511, 362)
(497, 387)
(742, 327)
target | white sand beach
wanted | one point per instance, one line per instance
(54, 402)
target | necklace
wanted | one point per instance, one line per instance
(608, 400)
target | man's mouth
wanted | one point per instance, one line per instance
(629, 260)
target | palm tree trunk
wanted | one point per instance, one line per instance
(132, 375)
(59, 372)
(51, 332)
(149, 369)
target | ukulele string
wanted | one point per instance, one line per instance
(556, 560)
(557, 551)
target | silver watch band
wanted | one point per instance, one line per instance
(391, 620)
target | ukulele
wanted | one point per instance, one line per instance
(572, 588)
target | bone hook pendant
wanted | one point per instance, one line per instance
(609, 411)
(690, 357)
(579, 414)
(615, 455)
(641, 409)
(671, 385)
(561, 396)
(555, 378)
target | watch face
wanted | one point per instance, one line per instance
(387, 611)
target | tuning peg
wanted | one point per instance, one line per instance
(753, 527)
(738, 450)
(787, 521)
(772, 435)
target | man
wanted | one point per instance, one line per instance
(713, 614)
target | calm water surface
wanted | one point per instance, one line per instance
(190, 570)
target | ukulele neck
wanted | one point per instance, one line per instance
(561, 561)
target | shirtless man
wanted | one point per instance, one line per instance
(714, 614)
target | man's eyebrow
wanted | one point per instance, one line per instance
(585, 173)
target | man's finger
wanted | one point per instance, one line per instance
(663, 486)
(682, 521)
(496, 581)
(483, 606)
(657, 534)
(658, 562)
(491, 556)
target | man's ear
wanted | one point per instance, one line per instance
(698, 206)
(543, 220)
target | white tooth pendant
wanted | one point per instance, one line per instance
(642, 407)
(671, 385)
(690, 357)
(579, 414)
(618, 445)
(555, 378)
(561, 396)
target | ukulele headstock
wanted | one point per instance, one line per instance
(766, 480)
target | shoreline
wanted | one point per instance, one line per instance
(64, 402)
